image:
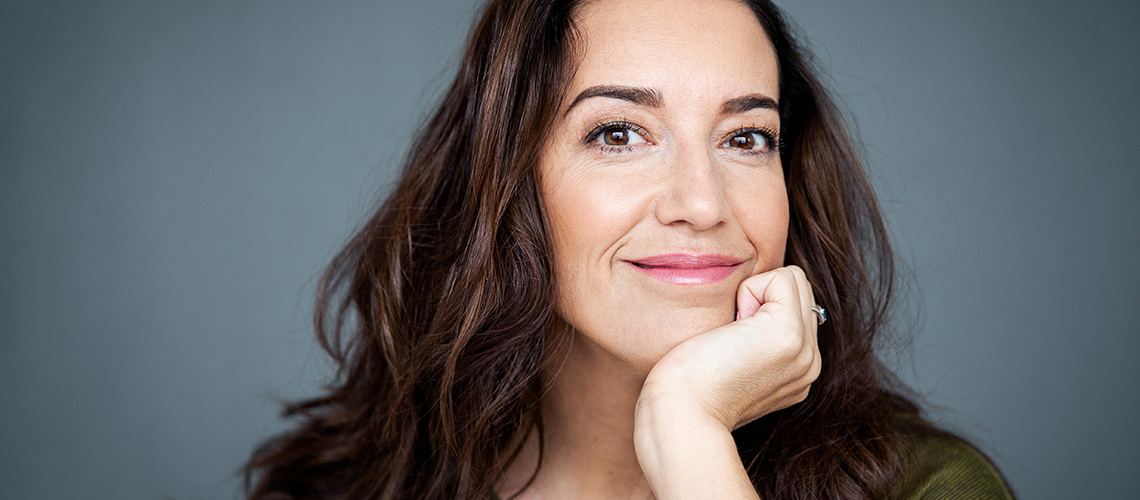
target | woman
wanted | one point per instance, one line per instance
(600, 277)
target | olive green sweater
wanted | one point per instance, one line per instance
(946, 469)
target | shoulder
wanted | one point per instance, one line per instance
(944, 467)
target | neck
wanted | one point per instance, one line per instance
(588, 417)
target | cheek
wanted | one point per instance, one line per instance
(589, 218)
(590, 211)
(762, 210)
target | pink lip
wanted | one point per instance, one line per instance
(686, 269)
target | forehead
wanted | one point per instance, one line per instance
(686, 48)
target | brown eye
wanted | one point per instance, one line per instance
(749, 140)
(616, 137)
(743, 141)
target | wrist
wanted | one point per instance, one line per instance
(684, 451)
(662, 428)
(670, 399)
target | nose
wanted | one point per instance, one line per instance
(693, 191)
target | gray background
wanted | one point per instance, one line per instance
(174, 175)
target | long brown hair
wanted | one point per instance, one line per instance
(437, 310)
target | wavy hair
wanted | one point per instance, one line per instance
(436, 312)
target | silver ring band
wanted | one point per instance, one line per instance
(821, 312)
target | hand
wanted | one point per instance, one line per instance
(709, 385)
(764, 361)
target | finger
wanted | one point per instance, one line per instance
(776, 286)
(749, 295)
(803, 286)
(811, 322)
(782, 293)
(807, 299)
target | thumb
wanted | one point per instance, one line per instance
(760, 289)
(750, 295)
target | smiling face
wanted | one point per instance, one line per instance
(661, 179)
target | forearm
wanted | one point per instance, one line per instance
(687, 454)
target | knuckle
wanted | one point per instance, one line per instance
(790, 273)
(797, 271)
(749, 282)
(788, 346)
(802, 396)
(815, 370)
(807, 365)
(786, 273)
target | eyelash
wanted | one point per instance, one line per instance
(775, 144)
(602, 127)
(772, 137)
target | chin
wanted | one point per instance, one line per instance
(635, 333)
(642, 346)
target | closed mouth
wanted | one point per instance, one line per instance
(687, 269)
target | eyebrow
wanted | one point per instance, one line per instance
(650, 97)
(638, 95)
(747, 103)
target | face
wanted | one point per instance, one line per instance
(662, 180)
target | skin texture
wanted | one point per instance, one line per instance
(656, 373)
(675, 188)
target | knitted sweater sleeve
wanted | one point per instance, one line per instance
(943, 468)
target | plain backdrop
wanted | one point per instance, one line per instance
(173, 176)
